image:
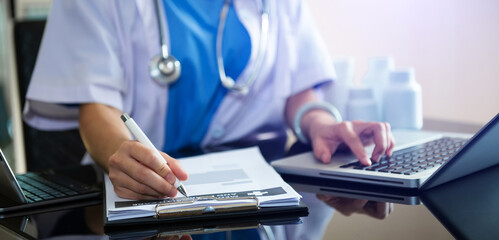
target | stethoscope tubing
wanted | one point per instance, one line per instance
(226, 81)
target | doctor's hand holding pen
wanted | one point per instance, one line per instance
(136, 170)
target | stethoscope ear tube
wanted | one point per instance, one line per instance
(228, 82)
(166, 69)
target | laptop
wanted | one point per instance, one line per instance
(37, 189)
(423, 160)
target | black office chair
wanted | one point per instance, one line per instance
(44, 149)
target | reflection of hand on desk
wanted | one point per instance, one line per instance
(349, 206)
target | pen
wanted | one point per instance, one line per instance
(142, 138)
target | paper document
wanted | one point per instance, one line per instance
(235, 175)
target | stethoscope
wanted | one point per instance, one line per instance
(166, 69)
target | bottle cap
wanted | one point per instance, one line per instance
(361, 92)
(381, 63)
(378, 71)
(402, 75)
(344, 69)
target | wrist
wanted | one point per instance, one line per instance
(310, 114)
(313, 120)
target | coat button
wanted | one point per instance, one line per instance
(217, 132)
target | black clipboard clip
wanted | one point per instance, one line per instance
(229, 206)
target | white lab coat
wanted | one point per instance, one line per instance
(99, 51)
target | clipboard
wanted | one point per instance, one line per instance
(227, 211)
(227, 206)
(268, 197)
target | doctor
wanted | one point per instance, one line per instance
(241, 65)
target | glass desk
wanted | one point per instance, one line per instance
(467, 208)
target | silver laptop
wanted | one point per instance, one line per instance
(421, 160)
(32, 190)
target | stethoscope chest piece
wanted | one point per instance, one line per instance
(164, 70)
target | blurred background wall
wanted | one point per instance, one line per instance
(453, 46)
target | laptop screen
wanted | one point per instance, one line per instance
(8, 183)
(481, 151)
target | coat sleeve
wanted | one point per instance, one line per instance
(309, 60)
(79, 61)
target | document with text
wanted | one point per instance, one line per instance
(232, 178)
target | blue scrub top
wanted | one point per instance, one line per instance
(195, 97)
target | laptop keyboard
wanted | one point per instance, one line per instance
(39, 188)
(415, 159)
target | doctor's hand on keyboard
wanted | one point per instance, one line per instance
(327, 136)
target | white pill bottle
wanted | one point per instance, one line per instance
(402, 100)
(362, 104)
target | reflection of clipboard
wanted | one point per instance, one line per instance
(207, 226)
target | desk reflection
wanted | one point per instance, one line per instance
(349, 206)
(182, 237)
(467, 208)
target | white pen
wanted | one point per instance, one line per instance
(142, 138)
